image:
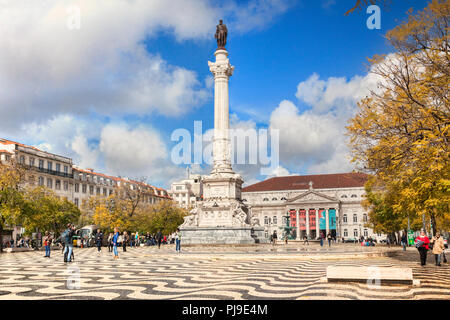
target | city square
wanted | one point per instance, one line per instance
(197, 150)
(293, 271)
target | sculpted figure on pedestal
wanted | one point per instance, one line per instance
(191, 220)
(254, 220)
(239, 215)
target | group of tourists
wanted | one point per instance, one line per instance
(423, 244)
(116, 240)
(367, 241)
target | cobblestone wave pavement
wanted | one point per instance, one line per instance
(291, 272)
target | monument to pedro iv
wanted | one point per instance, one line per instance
(222, 217)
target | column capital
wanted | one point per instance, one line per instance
(221, 69)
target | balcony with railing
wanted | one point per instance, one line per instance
(48, 171)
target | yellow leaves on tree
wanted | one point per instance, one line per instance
(401, 131)
(114, 211)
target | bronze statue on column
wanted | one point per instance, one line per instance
(221, 35)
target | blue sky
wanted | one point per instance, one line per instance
(110, 93)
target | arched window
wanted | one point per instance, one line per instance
(274, 199)
(266, 199)
(345, 233)
(355, 218)
(344, 196)
(364, 217)
(355, 232)
(366, 233)
(344, 218)
(354, 196)
(283, 198)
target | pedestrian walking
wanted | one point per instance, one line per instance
(110, 242)
(422, 244)
(115, 242)
(159, 237)
(322, 237)
(177, 240)
(99, 240)
(404, 240)
(47, 243)
(305, 240)
(125, 241)
(136, 240)
(67, 238)
(147, 239)
(438, 247)
(329, 237)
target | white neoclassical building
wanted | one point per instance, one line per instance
(314, 204)
(188, 191)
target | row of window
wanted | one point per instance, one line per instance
(91, 189)
(65, 184)
(273, 199)
(355, 218)
(273, 220)
(94, 178)
(355, 233)
(284, 198)
(31, 162)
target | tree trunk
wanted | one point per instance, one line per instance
(1, 237)
(433, 222)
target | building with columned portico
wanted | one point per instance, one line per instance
(314, 203)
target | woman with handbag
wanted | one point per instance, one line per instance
(438, 247)
(422, 244)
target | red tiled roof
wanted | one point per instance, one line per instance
(320, 181)
(6, 141)
(5, 151)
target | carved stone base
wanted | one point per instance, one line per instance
(222, 235)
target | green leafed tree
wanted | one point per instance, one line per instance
(46, 212)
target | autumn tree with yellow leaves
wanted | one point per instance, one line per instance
(400, 133)
(11, 196)
(113, 211)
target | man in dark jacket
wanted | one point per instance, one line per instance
(67, 238)
(99, 240)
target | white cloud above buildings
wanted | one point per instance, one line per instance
(59, 85)
(313, 139)
(47, 68)
(54, 76)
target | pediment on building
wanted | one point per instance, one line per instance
(312, 197)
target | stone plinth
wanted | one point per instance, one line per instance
(221, 235)
(370, 275)
(221, 187)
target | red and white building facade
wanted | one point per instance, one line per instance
(315, 204)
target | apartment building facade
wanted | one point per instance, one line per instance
(67, 180)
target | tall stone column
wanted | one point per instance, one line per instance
(327, 221)
(222, 71)
(307, 223)
(297, 212)
(317, 223)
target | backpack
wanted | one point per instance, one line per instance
(65, 236)
(419, 243)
